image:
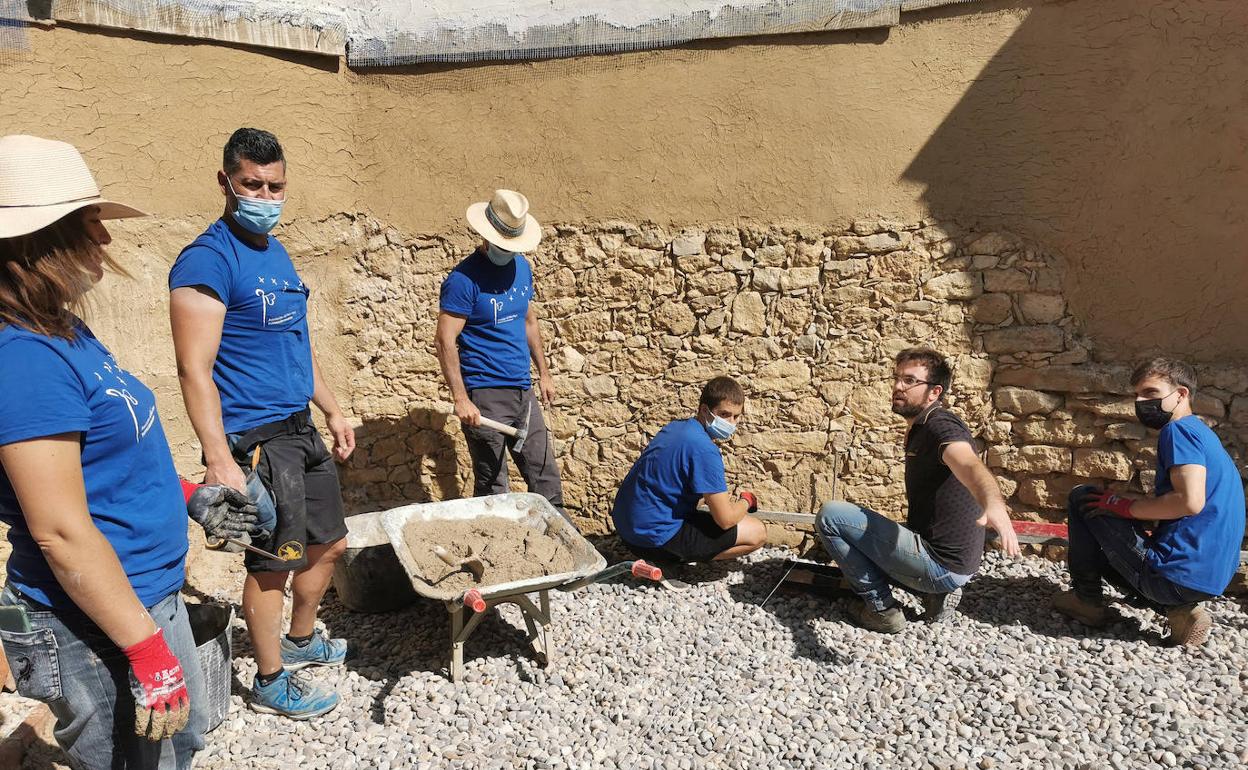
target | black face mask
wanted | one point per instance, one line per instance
(1151, 415)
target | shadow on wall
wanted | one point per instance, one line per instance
(402, 460)
(1112, 133)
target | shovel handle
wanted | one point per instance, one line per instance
(502, 428)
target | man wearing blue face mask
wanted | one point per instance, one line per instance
(239, 313)
(1175, 549)
(656, 509)
(486, 337)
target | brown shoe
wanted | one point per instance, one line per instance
(1090, 614)
(1189, 625)
(890, 621)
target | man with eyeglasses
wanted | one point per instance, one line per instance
(951, 496)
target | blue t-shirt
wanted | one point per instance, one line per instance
(493, 347)
(1200, 552)
(264, 365)
(679, 465)
(52, 386)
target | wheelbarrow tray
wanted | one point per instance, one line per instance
(532, 510)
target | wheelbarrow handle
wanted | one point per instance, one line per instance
(638, 569)
(643, 571)
(473, 600)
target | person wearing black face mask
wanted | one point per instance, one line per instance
(1196, 517)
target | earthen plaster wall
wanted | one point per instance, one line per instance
(1104, 137)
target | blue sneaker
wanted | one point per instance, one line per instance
(321, 651)
(292, 696)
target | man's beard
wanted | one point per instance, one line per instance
(907, 409)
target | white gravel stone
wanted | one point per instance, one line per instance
(706, 678)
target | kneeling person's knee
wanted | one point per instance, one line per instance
(1078, 497)
(831, 514)
(751, 532)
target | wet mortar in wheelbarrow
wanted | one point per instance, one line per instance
(528, 550)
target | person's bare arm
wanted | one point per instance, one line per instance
(449, 327)
(323, 397)
(46, 474)
(537, 351)
(726, 510)
(1186, 499)
(966, 466)
(196, 317)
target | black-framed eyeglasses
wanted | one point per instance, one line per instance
(910, 381)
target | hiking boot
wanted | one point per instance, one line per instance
(888, 621)
(937, 608)
(1189, 625)
(320, 651)
(1091, 614)
(291, 696)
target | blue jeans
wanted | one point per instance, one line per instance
(67, 662)
(874, 551)
(1114, 549)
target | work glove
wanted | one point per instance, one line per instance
(751, 500)
(224, 512)
(161, 705)
(1099, 502)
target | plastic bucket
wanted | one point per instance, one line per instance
(368, 576)
(210, 626)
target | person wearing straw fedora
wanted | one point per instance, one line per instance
(239, 313)
(91, 620)
(487, 334)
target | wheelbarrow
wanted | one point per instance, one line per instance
(467, 608)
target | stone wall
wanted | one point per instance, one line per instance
(636, 318)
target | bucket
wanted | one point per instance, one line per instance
(368, 576)
(210, 626)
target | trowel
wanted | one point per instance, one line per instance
(472, 562)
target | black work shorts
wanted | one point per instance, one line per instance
(299, 472)
(699, 539)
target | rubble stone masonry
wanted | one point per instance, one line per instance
(636, 318)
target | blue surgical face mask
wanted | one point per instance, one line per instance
(498, 256)
(255, 215)
(720, 429)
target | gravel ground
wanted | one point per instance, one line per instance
(708, 678)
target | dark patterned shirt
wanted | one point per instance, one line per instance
(942, 511)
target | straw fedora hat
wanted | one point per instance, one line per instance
(42, 180)
(505, 221)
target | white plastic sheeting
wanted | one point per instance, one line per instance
(394, 32)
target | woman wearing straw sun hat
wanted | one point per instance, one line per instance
(487, 333)
(90, 617)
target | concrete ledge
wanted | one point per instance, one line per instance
(329, 40)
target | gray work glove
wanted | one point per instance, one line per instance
(225, 513)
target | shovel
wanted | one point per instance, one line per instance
(472, 562)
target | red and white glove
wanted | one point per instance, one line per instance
(750, 500)
(161, 705)
(1102, 502)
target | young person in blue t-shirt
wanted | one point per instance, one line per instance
(96, 513)
(656, 508)
(486, 336)
(239, 313)
(1196, 518)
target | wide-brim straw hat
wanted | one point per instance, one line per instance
(505, 221)
(42, 180)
